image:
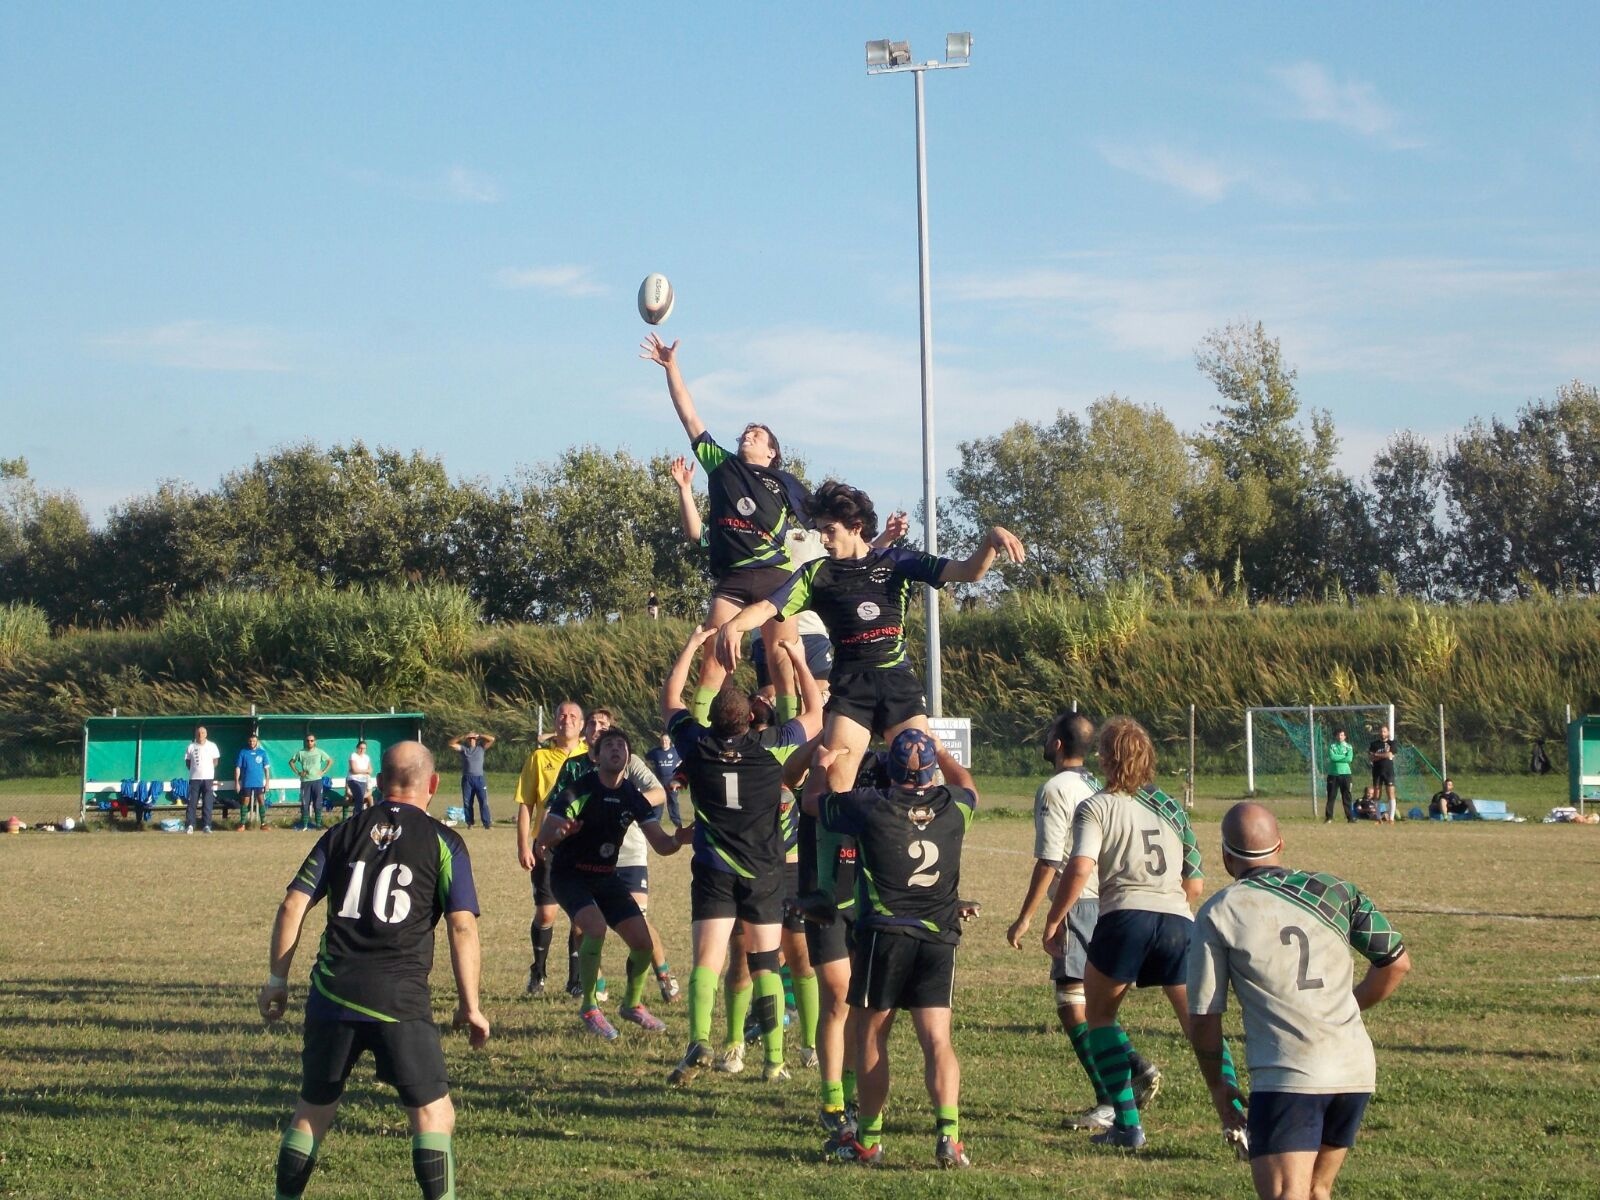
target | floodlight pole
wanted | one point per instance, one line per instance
(933, 676)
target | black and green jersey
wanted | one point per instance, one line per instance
(605, 815)
(827, 863)
(862, 601)
(752, 510)
(737, 785)
(389, 875)
(908, 856)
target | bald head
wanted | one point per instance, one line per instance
(408, 776)
(1250, 838)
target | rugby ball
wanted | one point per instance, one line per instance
(655, 299)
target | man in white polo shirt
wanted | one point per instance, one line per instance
(201, 760)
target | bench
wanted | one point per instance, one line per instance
(143, 799)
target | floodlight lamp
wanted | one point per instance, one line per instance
(878, 53)
(957, 47)
(899, 53)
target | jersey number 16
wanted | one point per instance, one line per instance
(390, 904)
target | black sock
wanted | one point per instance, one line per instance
(542, 935)
(297, 1155)
(573, 942)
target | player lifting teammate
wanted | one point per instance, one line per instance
(389, 874)
(584, 826)
(861, 593)
(908, 863)
(754, 504)
(737, 869)
(1282, 940)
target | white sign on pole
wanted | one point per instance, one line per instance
(955, 735)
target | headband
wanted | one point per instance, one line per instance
(1248, 855)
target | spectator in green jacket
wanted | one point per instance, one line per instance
(310, 765)
(1340, 755)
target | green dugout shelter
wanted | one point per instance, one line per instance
(151, 748)
(1583, 761)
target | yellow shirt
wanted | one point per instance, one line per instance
(539, 775)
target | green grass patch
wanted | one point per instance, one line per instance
(134, 1062)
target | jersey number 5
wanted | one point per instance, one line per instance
(390, 904)
(1158, 856)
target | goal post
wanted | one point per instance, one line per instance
(1285, 746)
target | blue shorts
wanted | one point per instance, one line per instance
(635, 879)
(1149, 949)
(1292, 1122)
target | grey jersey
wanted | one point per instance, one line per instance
(635, 851)
(1054, 806)
(1282, 939)
(1144, 849)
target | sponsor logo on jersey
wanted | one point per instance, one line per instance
(867, 610)
(880, 574)
(745, 505)
(608, 850)
(384, 836)
(772, 484)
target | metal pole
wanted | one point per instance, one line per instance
(1444, 764)
(930, 508)
(1249, 753)
(1189, 790)
(1311, 745)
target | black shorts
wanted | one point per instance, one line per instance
(878, 699)
(819, 657)
(830, 943)
(1292, 1122)
(1383, 773)
(792, 920)
(714, 894)
(751, 585)
(543, 897)
(895, 970)
(407, 1053)
(577, 890)
(1149, 949)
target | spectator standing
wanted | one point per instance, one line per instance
(472, 747)
(309, 766)
(1340, 755)
(1381, 753)
(251, 770)
(664, 761)
(201, 761)
(652, 607)
(358, 777)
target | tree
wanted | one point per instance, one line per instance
(1403, 507)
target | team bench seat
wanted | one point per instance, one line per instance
(143, 799)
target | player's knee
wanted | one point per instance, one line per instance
(761, 960)
(436, 1116)
(1069, 993)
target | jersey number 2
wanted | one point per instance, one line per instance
(927, 854)
(390, 904)
(1293, 933)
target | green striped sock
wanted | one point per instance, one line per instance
(870, 1131)
(1110, 1049)
(1079, 1034)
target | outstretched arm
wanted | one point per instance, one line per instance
(653, 349)
(682, 470)
(955, 775)
(678, 677)
(660, 840)
(810, 691)
(976, 565)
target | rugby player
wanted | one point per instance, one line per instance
(1282, 940)
(737, 869)
(754, 504)
(390, 873)
(584, 828)
(908, 866)
(1142, 850)
(1068, 742)
(538, 777)
(861, 593)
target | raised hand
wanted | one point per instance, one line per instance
(1008, 543)
(653, 349)
(896, 526)
(682, 471)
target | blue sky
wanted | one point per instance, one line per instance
(226, 227)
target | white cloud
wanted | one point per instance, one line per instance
(198, 346)
(474, 187)
(1350, 104)
(566, 280)
(1202, 178)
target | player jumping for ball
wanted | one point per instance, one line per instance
(754, 505)
(861, 593)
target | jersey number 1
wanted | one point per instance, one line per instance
(391, 905)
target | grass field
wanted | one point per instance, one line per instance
(134, 1063)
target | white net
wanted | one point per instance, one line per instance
(1288, 752)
